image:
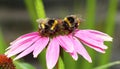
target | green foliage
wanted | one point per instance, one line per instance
(68, 61)
(22, 65)
(108, 65)
(109, 29)
(90, 24)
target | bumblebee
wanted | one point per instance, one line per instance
(47, 26)
(53, 27)
(70, 23)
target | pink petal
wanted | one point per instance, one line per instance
(95, 48)
(99, 34)
(52, 53)
(26, 35)
(66, 43)
(22, 47)
(81, 50)
(18, 44)
(21, 41)
(90, 40)
(74, 55)
(41, 44)
(28, 50)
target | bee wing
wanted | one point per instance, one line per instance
(39, 20)
(42, 20)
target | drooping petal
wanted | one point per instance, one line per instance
(95, 48)
(22, 47)
(24, 36)
(99, 34)
(80, 49)
(90, 40)
(18, 44)
(40, 45)
(66, 43)
(74, 55)
(30, 49)
(52, 53)
(21, 41)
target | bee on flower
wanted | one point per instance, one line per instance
(54, 34)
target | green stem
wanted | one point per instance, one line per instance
(2, 43)
(60, 64)
(40, 9)
(110, 22)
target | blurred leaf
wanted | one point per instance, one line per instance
(2, 43)
(69, 62)
(32, 12)
(109, 29)
(90, 14)
(108, 65)
(21, 65)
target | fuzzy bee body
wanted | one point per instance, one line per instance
(47, 26)
(54, 27)
(70, 23)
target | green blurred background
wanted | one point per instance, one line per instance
(103, 15)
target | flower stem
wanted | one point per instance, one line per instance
(2, 43)
(60, 64)
(40, 9)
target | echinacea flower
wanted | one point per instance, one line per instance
(6, 63)
(72, 42)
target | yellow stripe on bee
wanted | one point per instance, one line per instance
(54, 24)
(42, 25)
(68, 22)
